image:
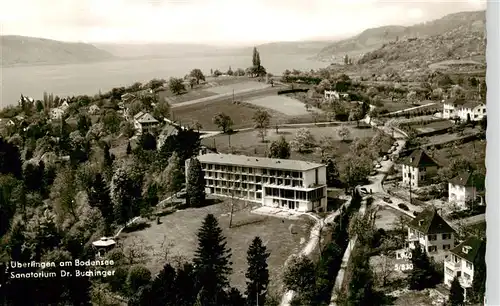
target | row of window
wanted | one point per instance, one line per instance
(254, 179)
(249, 170)
(250, 195)
(431, 237)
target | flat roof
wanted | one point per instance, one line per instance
(258, 162)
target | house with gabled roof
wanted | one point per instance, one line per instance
(417, 168)
(429, 230)
(463, 188)
(145, 122)
(464, 110)
(462, 260)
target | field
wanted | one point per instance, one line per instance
(432, 126)
(386, 218)
(249, 143)
(285, 105)
(180, 228)
(186, 96)
(473, 150)
(203, 113)
(248, 85)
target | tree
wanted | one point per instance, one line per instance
(385, 269)
(10, 163)
(344, 133)
(479, 279)
(257, 274)
(83, 124)
(176, 85)
(195, 185)
(456, 297)
(127, 128)
(212, 261)
(299, 275)
(111, 121)
(155, 84)
(138, 276)
(361, 286)
(162, 109)
(174, 175)
(303, 141)
(223, 121)
(332, 173)
(147, 141)
(99, 197)
(355, 168)
(129, 148)
(421, 275)
(356, 114)
(217, 73)
(280, 149)
(262, 120)
(197, 74)
(255, 57)
(327, 146)
(126, 195)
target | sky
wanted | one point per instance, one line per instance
(223, 22)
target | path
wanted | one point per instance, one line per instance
(410, 109)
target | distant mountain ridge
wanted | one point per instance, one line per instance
(375, 38)
(23, 50)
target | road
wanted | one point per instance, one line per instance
(238, 95)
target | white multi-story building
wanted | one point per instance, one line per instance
(461, 260)
(280, 183)
(431, 232)
(335, 95)
(464, 110)
(462, 189)
(417, 168)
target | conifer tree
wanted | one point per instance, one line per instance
(257, 274)
(212, 262)
(421, 275)
(456, 297)
(195, 187)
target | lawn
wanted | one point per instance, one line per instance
(282, 104)
(392, 106)
(249, 143)
(186, 96)
(473, 150)
(180, 230)
(432, 126)
(240, 113)
(386, 218)
(239, 86)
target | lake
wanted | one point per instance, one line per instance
(76, 79)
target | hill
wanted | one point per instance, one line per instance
(461, 48)
(22, 50)
(375, 38)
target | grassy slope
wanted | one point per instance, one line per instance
(372, 39)
(21, 50)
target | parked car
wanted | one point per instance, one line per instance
(363, 190)
(387, 199)
(403, 206)
(378, 166)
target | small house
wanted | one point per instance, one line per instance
(417, 168)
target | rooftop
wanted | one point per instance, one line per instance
(470, 249)
(430, 222)
(258, 162)
(419, 158)
(465, 178)
(145, 118)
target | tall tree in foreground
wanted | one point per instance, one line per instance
(280, 149)
(195, 185)
(257, 274)
(479, 280)
(212, 262)
(421, 275)
(300, 277)
(456, 297)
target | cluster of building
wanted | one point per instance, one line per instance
(463, 110)
(419, 168)
(439, 240)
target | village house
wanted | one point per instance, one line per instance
(56, 113)
(462, 189)
(431, 232)
(279, 183)
(464, 110)
(93, 109)
(334, 95)
(418, 168)
(145, 122)
(461, 260)
(127, 97)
